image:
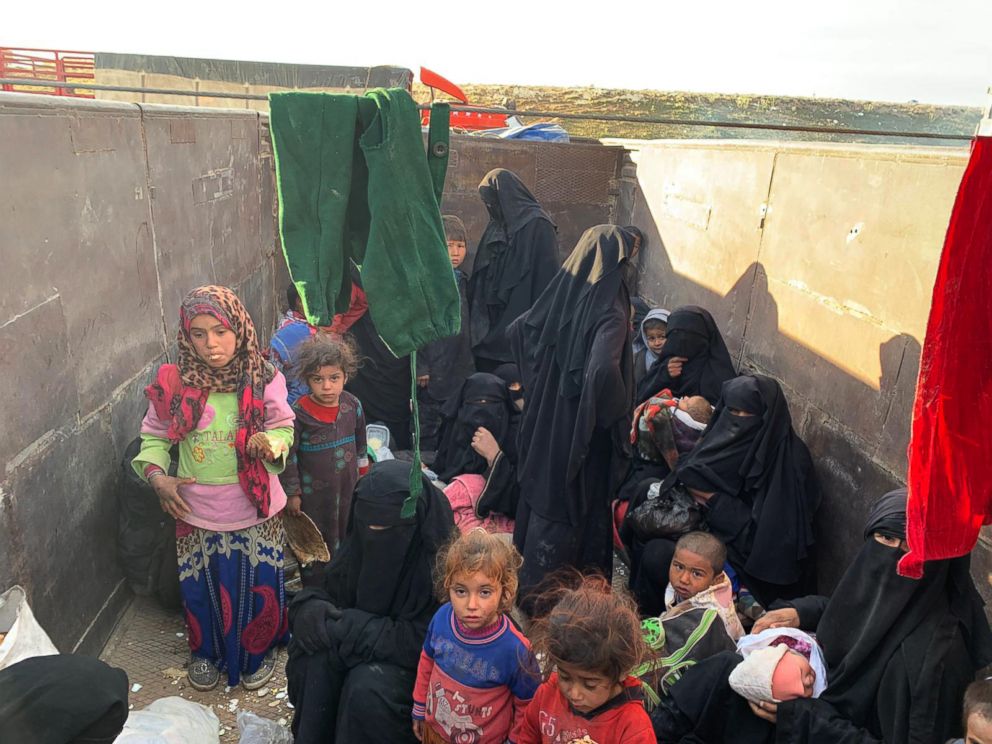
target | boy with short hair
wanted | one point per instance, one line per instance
(696, 579)
(700, 619)
(977, 717)
(443, 365)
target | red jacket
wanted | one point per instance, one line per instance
(550, 719)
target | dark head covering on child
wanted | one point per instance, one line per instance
(693, 335)
(454, 228)
(180, 398)
(760, 460)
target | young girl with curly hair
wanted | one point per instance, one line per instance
(476, 673)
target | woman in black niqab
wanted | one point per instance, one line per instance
(483, 402)
(573, 351)
(900, 652)
(516, 258)
(692, 335)
(762, 495)
(356, 641)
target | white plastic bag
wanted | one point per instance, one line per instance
(25, 637)
(171, 720)
(257, 730)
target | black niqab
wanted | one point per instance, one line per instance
(573, 350)
(578, 296)
(389, 571)
(483, 401)
(759, 460)
(876, 618)
(516, 258)
(692, 333)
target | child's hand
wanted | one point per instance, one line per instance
(259, 446)
(418, 729)
(167, 489)
(423, 380)
(765, 711)
(294, 504)
(485, 444)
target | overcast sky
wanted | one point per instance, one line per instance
(937, 51)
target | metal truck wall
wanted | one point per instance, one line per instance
(576, 183)
(111, 212)
(818, 264)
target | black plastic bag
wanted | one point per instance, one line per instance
(146, 543)
(667, 513)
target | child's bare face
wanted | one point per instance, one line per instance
(690, 573)
(457, 252)
(656, 339)
(326, 385)
(214, 342)
(979, 730)
(808, 675)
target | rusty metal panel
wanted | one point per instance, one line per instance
(576, 174)
(574, 182)
(205, 202)
(82, 226)
(36, 366)
(60, 531)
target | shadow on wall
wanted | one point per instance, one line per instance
(829, 404)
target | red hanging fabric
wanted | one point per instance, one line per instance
(950, 451)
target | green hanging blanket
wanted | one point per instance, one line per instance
(355, 184)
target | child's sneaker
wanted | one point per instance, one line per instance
(203, 675)
(263, 674)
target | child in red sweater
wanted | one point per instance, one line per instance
(592, 637)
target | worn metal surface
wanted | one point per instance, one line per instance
(573, 182)
(114, 212)
(817, 263)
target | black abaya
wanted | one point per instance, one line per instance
(483, 401)
(360, 687)
(573, 351)
(516, 259)
(382, 382)
(899, 651)
(62, 699)
(693, 335)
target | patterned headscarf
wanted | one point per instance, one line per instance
(179, 394)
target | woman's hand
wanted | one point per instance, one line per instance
(765, 711)
(787, 617)
(485, 444)
(260, 447)
(700, 497)
(418, 729)
(167, 489)
(675, 366)
(294, 504)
